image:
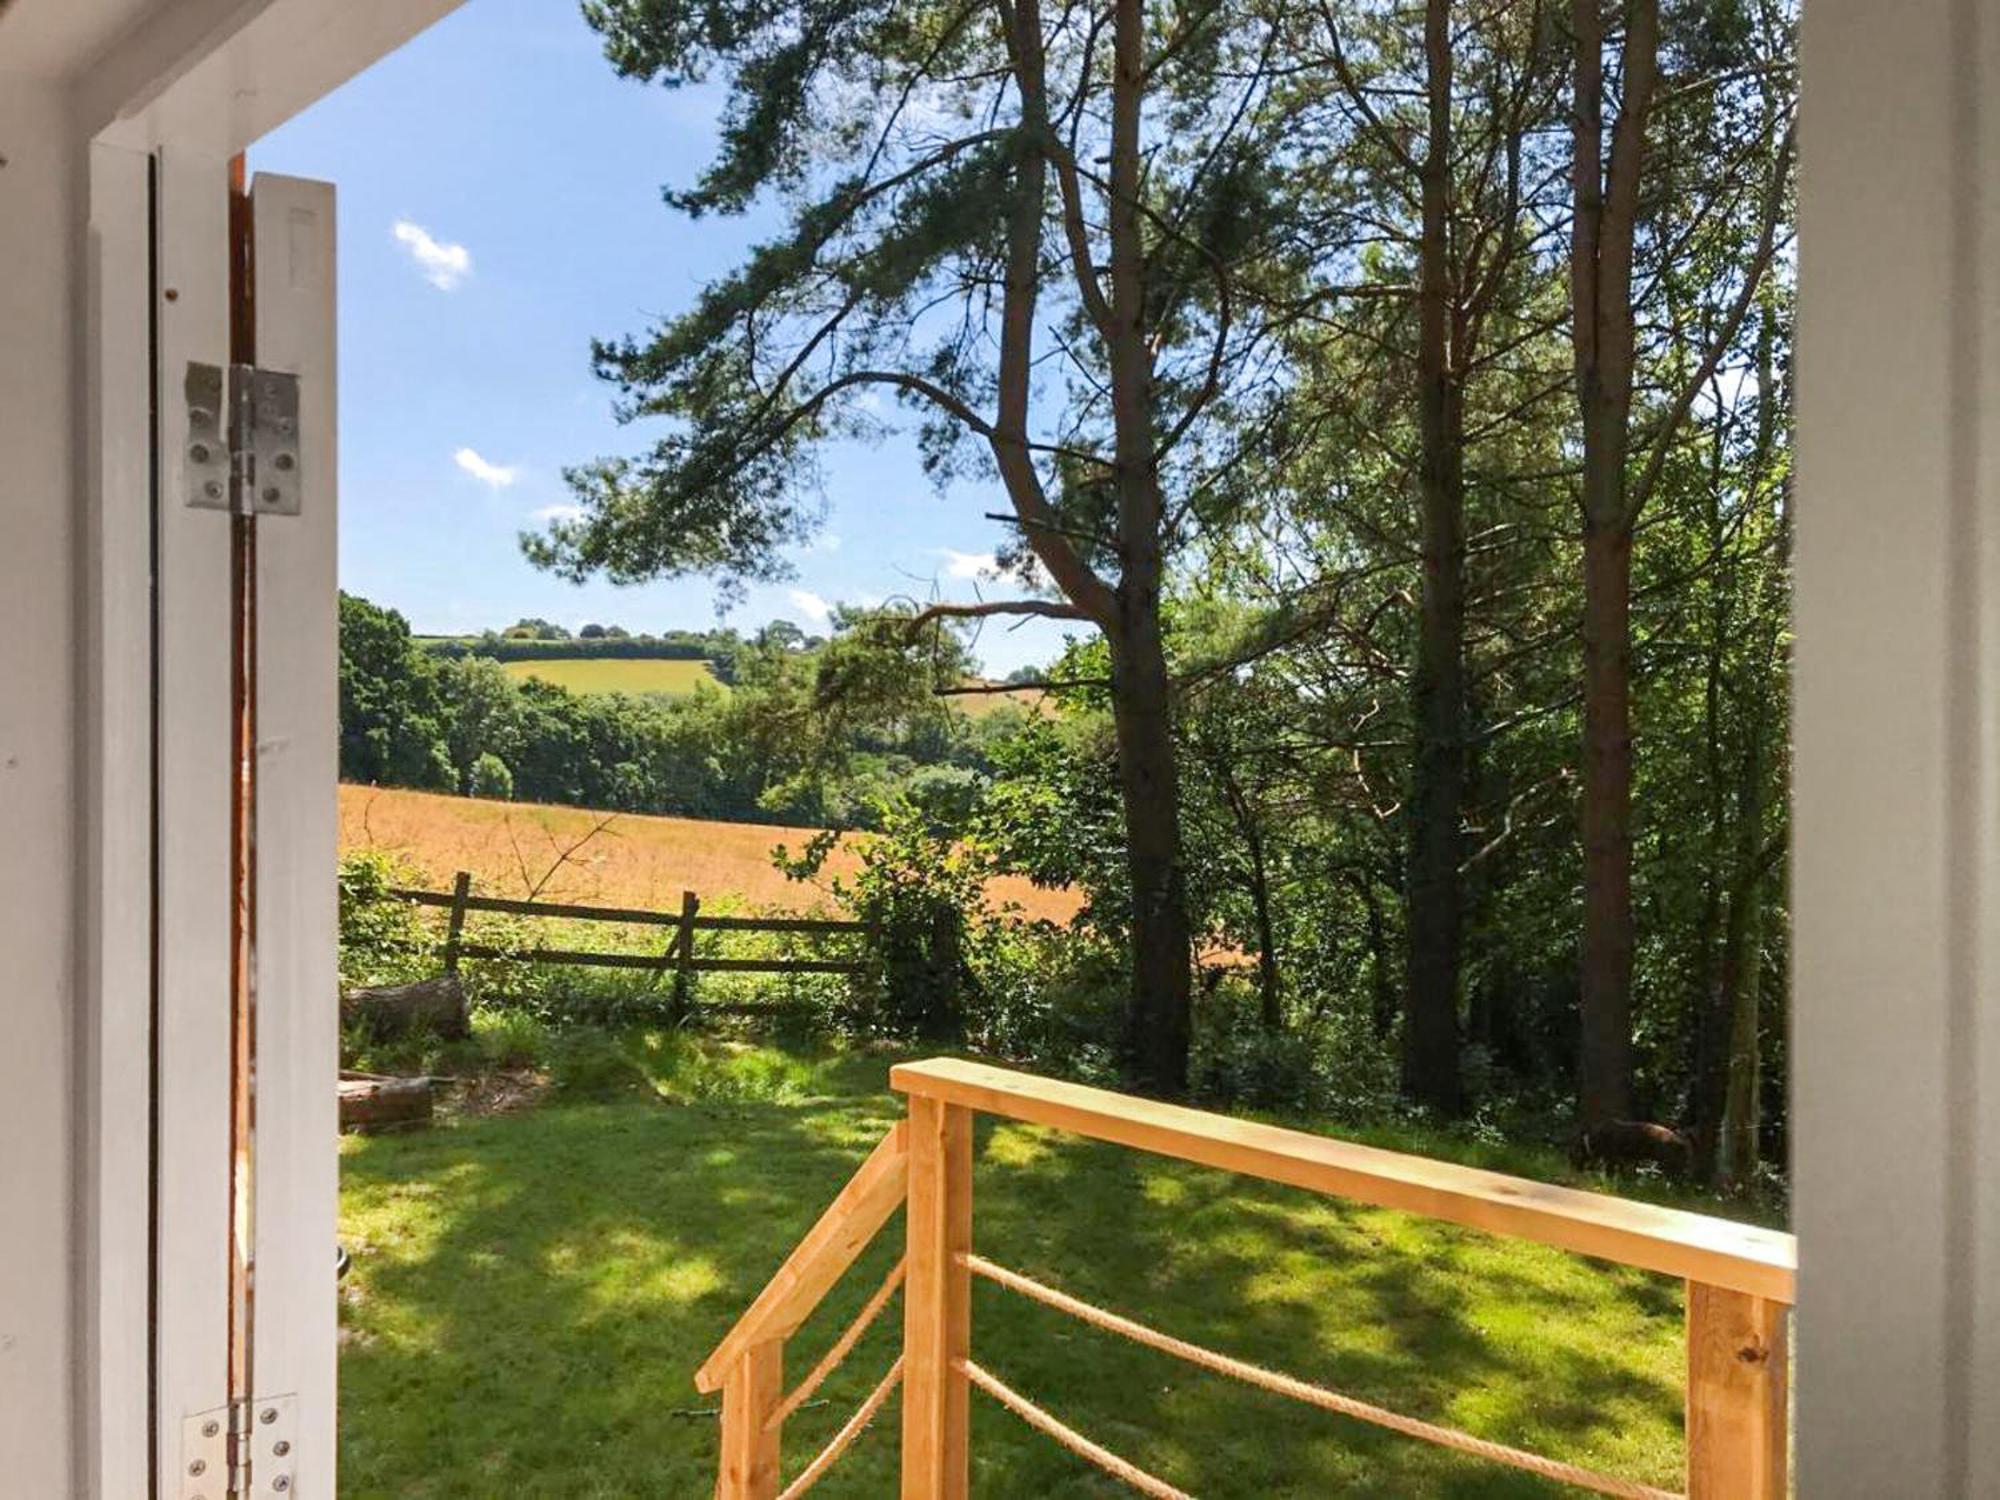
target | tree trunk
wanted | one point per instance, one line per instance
(1160, 1017)
(1605, 1059)
(1260, 895)
(1267, 945)
(1380, 972)
(1437, 685)
(1605, 227)
(1742, 980)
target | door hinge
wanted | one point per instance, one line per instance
(244, 1451)
(242, 450)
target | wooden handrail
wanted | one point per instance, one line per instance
(853, 1219)
(1712, 1252)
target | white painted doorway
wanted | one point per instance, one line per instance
(243, 734)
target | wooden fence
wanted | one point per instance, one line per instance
(677, 955)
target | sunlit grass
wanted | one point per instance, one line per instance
(531, 1295)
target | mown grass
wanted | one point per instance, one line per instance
(532, 1293)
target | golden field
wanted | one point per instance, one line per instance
(635, 675)
(617, 859)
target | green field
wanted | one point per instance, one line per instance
(533, 1289)
(619, 675)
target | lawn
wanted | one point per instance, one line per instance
(620, 674)
(531, 1294)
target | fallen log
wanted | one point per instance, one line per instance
(384, 1103)
(436, 1006)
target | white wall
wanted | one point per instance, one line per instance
(1896, 1021)
(37, 756)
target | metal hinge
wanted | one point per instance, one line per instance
(243, 1451)
(242, 451)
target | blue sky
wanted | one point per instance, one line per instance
(499, 193)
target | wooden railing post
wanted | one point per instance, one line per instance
(461, 888)
(1736, 1381)
(751, 1392)
(684, 950)
(937, 1302)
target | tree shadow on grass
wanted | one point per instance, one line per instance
(532, 1295)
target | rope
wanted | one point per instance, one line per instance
(811, 1474)
(1312, 1395)
(1075, 1441)
(842, 1347)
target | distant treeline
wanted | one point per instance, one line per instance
(677, 646)
(443, 715)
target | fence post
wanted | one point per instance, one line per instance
(684, 949)
(1736, 1381)
(937, 1302)
(751, 1392)
(461, 888)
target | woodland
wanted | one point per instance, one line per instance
(1394, 399)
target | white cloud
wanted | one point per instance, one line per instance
(807, 603)
(496, 476)
(826, 541)
(969, 564)
(444, 264)
(550, 513)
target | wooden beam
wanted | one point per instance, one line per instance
(937, 1303)
(850, 1222)
(1736, 1409)
(1718, 1253)
(750, 1441)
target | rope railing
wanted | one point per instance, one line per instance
(1283, 1385)
(1069, 1437)
(813, 1472)
(842, 1347)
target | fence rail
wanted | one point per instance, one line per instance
(678, 956)
(1739, 1283)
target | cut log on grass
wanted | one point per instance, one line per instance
(436, 1006)
(384, 1103)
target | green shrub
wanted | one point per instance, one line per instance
(510, 1039)
(382, 940)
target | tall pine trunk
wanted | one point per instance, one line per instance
(1161, 1012)
(1605, 1055)
(1160, 1016)
(1606, 202)
(1437, 685)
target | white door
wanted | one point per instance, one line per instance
(244, 754)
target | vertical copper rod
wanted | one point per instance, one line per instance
(243, 841)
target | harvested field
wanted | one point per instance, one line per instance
(620, 859)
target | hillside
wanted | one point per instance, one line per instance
(632, 860)
(616, 675)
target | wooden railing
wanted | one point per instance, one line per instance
(677, 955)
(1739, 1282)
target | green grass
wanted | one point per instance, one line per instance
(532, 1293)
(619, 675)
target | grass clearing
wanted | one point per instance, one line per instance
(531, 1295)
(638, 675)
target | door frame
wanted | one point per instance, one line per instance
(196, 79)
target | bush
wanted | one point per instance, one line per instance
(1331, 1064)
(382, 940)
(491, 778)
